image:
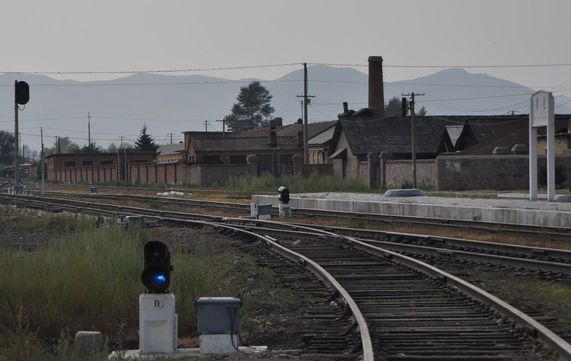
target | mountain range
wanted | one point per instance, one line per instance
(177, 103)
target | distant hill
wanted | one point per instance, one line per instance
(172, 104)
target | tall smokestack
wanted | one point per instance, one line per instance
(376, 90)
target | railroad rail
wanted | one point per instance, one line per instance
(416, 312)
(554, 233)
(533, 258)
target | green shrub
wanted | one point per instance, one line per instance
(314, 183)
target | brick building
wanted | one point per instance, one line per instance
(94, 167)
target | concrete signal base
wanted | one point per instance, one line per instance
(179, 353)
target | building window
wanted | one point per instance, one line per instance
(69, 163)
(87, 163)
(106, 162)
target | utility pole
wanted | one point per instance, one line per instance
(206, 123)
(171, 138)
(412, 130)
(88, 130)
(306, 101)
(42, 161)
(223, 126)
(16, 137)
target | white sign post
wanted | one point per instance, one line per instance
(542, 114)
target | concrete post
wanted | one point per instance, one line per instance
(383, 157)
(298, 164)
(372, 159)
(252, 161)
(87, 342)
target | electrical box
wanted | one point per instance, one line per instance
(218, 324)
(92, 190)
(158, 323)
(261, 211)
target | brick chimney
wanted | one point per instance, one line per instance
(376, 86)
(273, 138)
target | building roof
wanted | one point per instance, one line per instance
(244, 144)
(171, 149)
(129, 152)
(392, 135)
(289, 130)
(484, 133)
(322, 137)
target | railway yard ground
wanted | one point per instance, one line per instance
(284, 307)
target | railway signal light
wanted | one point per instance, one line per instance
(404, 107)
(284, 194)
(22, 92)
(156, 275)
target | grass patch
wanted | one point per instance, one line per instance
(89, 279)
(315, 183)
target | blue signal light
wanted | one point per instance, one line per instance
(160, 278)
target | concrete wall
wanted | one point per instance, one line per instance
(317, 169)
(399, 173)
(496, 172)
(209, 174)
(92, 175)
(169, 173)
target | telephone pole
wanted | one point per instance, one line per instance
(412, 130)
(16, 144)
(42, 160)
(306, 100)
(206, 123)
(88, 130)
(223, 126)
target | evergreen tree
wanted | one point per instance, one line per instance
(91, 148)
(6, 147)
(252, 110)
(145, 142)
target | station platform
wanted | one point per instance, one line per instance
(495, 210)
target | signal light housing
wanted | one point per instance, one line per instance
(284, 194)
(156, 274)
(22, 92)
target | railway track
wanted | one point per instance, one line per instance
(552, 262)
(547, 233)
(403, 309)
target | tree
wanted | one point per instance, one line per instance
(145, 142)
(393, 108)
(252, 110)
(91, 148)
(6, 148)
(66, 146)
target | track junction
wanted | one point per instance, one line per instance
(394, 307)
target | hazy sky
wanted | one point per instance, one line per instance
(112, 35)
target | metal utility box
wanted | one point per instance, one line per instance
(92, 190)
(261, 211)
(218, 315)
(218, 324)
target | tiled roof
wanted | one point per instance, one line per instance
(171, 148)
(393, 135)
(244, 144)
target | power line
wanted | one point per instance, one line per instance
(133, 71)
(111, 83)
(471, 66)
